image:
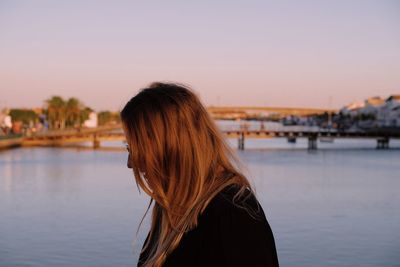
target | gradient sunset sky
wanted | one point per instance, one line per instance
(259, 53)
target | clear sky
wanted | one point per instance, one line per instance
(261, 53)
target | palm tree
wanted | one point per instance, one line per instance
(74, 109)
(69, 113)
(56, 112)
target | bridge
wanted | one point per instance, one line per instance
(241, 133)
(74, 136)
(282, 111)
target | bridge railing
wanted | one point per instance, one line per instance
(74, 131)
(270, 127)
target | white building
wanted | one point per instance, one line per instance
(353, 108)
(372, 106)
(383, 113)
(92, 121)
(5, 121)
(389, 112)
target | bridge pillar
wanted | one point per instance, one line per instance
(241, 141)
(312, 142)
(96, 142)
(382, 143)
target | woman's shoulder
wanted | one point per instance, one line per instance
(234, 195)
(238, 224)
(235, 202)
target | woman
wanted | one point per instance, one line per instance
(204, 210)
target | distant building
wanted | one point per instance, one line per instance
(5, 122)
(389, 113)
(353, 108)
(375, 112)
(375, 101)
(92, 121)
(372, 106)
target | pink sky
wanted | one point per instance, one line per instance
(259, 53)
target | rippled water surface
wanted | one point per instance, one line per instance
(337, 206)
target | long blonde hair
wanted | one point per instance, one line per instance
(179, 158)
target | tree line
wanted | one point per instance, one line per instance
(68, 113)
(60, 113)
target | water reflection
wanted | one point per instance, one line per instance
(81, 207)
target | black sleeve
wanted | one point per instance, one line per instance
(246, 241)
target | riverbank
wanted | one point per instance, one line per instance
(10, 141)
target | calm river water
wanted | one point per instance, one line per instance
(337, 206)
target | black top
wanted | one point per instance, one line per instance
(226, 235)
